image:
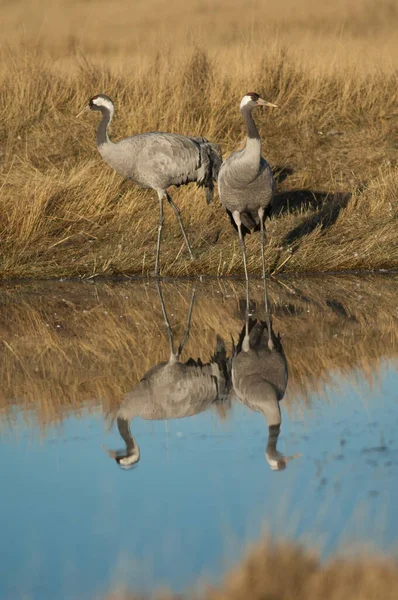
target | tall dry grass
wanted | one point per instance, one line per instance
(286, 572)
(119, 31)
(66, 346)
(183, 66)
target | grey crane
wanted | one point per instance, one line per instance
(158, 160)
(171, 390)
(245, 181)
(259, 379)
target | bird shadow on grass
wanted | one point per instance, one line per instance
(281, 173)
(325, 207)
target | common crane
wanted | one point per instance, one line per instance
(158, 160)
(245, 181)
(171, 390)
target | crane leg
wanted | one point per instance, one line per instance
(160, 227)
(236, 217)
(179, 219)
(188, 325)
(246, 339)
(267, 315)
(167, 322)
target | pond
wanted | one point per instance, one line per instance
(110, 480)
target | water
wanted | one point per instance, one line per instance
(75, 524)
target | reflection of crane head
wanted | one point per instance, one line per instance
(276, 460)
(129, 456)
(277, 464)
(124, 460)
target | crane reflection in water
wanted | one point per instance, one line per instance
(256, 373)
(172, 389)
(260, 376)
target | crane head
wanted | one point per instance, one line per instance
(252, 99)
(278, 462)
(124, 458)
(98, 102)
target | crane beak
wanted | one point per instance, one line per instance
(85, 109)
(261, 102)
(112, 453)
(288, 458)
(280, 463)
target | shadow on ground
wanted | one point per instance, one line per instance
(326, 207)
(281, 173)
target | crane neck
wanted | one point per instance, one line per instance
(102, 133)
(253, 140)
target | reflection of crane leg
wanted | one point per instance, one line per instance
(179, 219)
(188, 325)
(166, 320)
(267, 315)
(246, 339)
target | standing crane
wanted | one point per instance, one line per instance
(171, 390)
(245, 181)
(158, 160)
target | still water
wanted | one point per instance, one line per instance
(106, 481)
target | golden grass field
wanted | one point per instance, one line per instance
(286, 572)
(183, 67)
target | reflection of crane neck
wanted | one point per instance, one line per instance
(132, 449)
(272, 410)
(273, 434)
(275, 459)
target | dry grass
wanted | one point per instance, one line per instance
(183, 67)
(286, 572)
(66, 346)
(117, 31)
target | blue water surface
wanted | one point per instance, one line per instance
(73, 523)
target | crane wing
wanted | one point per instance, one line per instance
(165, 159)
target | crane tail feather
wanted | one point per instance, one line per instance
(210, 159)
(209, 194)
